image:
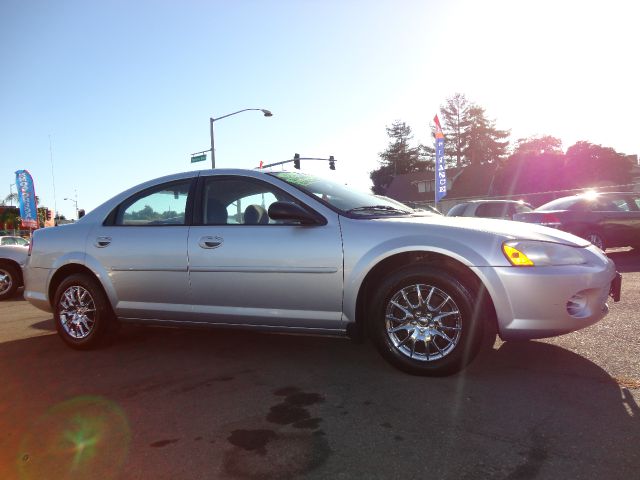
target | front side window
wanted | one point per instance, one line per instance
(521, 208)
(163, 205)
(240, 201)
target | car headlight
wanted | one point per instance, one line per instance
(532, 253)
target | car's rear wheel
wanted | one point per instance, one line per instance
(426, 321)
(596, 238)
(82, 311)
(9, 281)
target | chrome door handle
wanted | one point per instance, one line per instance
(102, 242)
(210, 242)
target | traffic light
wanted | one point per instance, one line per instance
(296, 161)
(48, 214)
(332, 163)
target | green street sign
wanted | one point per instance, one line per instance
(199, 158)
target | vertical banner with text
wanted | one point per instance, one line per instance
(27, 198)
(441, 167)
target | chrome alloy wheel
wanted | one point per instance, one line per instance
(596, 239)
(6, 281)
(423, 322)
(77, 312)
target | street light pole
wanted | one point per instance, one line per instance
(213, 151)
(75, 202)
(266, 113)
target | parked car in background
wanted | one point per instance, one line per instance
(13, 240)
(610, 219)
(12, 261)
(489, 209)
(290, 252)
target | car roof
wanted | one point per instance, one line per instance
(521, 202)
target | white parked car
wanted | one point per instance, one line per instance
(489, 209)
(12, 261)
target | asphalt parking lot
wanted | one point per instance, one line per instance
(167, 404)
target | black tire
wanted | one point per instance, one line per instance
(460, 335)
(9, 281)
(81, 297)
(596, 238)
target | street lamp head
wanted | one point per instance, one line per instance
(267, 113)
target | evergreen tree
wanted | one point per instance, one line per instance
(470, 137)
(453, 118)
(484, 143)
(399, 157)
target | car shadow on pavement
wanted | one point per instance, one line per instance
(248, 405)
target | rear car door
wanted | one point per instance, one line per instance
(143, 247)
(247, 269)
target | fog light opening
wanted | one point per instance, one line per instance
(577, 306)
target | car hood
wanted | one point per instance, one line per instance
(507, 229)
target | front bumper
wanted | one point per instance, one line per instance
(538, 302)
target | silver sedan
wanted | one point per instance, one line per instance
(12, 260)
(290, 252)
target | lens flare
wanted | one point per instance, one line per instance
(85, 437)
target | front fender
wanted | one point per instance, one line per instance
(355, 274)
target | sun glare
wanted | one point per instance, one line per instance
(590, 194)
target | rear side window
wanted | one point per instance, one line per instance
(608, 204)
(162, 205)
(492, 210)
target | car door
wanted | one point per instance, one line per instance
(633, 200)
(616, 219)
(143, 248)
(246, 268)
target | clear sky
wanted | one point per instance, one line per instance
(125, 89)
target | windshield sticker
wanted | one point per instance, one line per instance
(297, 178)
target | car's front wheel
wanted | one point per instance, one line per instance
(82, 311)
(427, 321)
(595, 238)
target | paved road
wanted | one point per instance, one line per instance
(171, 404)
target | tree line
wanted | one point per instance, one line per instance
(493, 166)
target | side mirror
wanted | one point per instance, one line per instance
(291, 211)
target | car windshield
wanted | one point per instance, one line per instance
(344, 198)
